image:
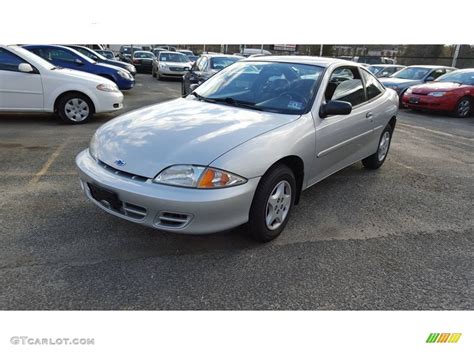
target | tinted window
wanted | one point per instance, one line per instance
(373, 87)
(9, 61)
(148, 55)
(55, 54)
(345, 84)
(437, 73)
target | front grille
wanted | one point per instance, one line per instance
(419, 93)
(122, 173)
(176, 69)
(172, 219)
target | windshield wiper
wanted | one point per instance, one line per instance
(238, 103)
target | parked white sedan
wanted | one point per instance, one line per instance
(29, 83)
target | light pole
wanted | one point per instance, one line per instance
(321, 50)
(456, 54)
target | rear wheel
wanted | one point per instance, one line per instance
(464, 107)
(377, 159)
(272, 204)
(75, 108)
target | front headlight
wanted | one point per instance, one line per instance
(163, 65)
(409, 91)
(437, 93)
(124, 74)
(131, 69)
(93, 146)
(198, 177)
(108, 87)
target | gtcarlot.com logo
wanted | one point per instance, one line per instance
(443, 337)
(26, 340)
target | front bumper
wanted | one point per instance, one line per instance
(427, 102)
(108, 101)
(194, 211)
(172, 73)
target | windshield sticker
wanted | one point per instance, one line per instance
(295, 105)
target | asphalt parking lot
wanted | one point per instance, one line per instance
(397, 238)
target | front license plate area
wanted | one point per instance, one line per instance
(108, 197)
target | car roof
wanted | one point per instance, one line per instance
(300, 59)
(170, 52)
(387, 65)
(212, 55)
(430, 66)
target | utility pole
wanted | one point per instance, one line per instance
(261, 49)
(321, 50)
(456, 54)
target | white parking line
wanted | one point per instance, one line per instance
(49, 162)
(435, 132)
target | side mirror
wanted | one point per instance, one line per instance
(335, 107)
(25, 68)
(78, 61)
(385, 73)
(430, 78)
(193, 86)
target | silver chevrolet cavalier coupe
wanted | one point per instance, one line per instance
(241, 147)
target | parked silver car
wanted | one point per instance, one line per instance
(414, 75)
(241, 147)
(170, 64)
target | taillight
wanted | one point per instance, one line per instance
(136, 61)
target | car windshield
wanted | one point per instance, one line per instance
(220, 63)
(89, 53)
(128, 50)
(374, 69)
(412, 73)
(266, 86)
(143, 55)
(26, 54)
(173, 57)
(461, 77)
(107, 54)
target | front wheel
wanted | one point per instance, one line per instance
(153, 72)
(272, 204)
(463, 108)
(75, 108)
(377, 159)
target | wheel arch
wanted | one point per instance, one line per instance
(296, 164)
(56, 101)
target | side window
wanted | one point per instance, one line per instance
(372, 85)
(437, 73)
(345, 84)
(61, 54)
(9, 61)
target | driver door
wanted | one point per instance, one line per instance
(343, 139)
(19, 91)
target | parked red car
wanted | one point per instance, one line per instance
(452, 92)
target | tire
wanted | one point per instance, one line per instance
(153, 72)
(159, 76)
(75, 108)
(377, 159)
(279, 181)
(463, 108)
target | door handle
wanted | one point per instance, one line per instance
(369, 115)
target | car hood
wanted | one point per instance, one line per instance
(177, 64)
(71, 73)
(436, 86)
(182, 131)
(108, 66)
(398, 82)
